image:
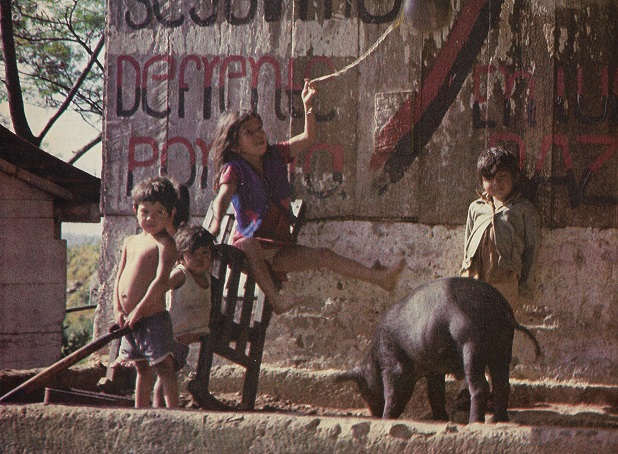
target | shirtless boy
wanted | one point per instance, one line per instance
(139, 293)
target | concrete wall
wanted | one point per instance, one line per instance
(394, 169)
(32, 277)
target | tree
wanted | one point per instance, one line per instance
(50, 54)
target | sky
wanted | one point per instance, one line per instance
(70, 133)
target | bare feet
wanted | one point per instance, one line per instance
(282, 303)
(389, 276)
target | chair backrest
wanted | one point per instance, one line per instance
(228, 224)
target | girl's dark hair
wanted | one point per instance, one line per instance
(190, 238)
(226, 138)
(183, 206)
(155, 189)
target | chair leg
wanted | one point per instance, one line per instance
(250, 387)
(204, 362)
(198, 388)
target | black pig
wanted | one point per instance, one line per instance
(453, 325)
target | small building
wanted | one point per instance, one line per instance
(38, 192)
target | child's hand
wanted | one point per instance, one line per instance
(308, 93)
(131, 319)
(119, 317)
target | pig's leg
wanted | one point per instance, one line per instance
(474, 366)
(499, 371)
(398, 388)
(437, 396)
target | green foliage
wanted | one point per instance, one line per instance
(54, 40)
(82, 263)
(73, 339)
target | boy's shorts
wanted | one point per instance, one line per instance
(152, 340)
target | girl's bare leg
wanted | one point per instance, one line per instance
(303, 258)
(143, 384)
(255, 256)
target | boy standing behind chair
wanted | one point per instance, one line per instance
(139, 293)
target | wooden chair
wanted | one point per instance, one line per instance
(239, 318)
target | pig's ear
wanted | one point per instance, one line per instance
(352, 374)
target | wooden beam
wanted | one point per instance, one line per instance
(34, 180)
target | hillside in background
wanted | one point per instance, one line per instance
(82, 287)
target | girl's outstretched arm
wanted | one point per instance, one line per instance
(303, 141)
(219, 205)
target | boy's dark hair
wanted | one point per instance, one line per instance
(155, 189)
(495, 159)
(190, 238)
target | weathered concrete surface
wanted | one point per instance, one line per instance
(572, 311)
(39, 428)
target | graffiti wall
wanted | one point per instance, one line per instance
(399, 133)
(402, 130)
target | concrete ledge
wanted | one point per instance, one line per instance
(40, 428)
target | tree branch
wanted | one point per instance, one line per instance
(13, 84)
(81, 152)
(64, 106)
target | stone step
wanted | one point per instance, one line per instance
(319, 388)
(57, 428)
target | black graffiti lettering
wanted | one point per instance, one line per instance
(531, 111)
(506, 113)
(369, 18)
(181, 101)
(590, 119)
(149, 110)
(170, 23)
(477, 122)
(222, 106)
(129, 183)
(207, 106)
(144, 23)
(560, 110)
(234, 20)
(278, 112)
(303, 8)
(204, 179)
(596, 200)
(272, 10)
(254, 98)
(568, 180)
(120, 110)
(208, 20)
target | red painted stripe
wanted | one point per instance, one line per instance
(401, 122)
